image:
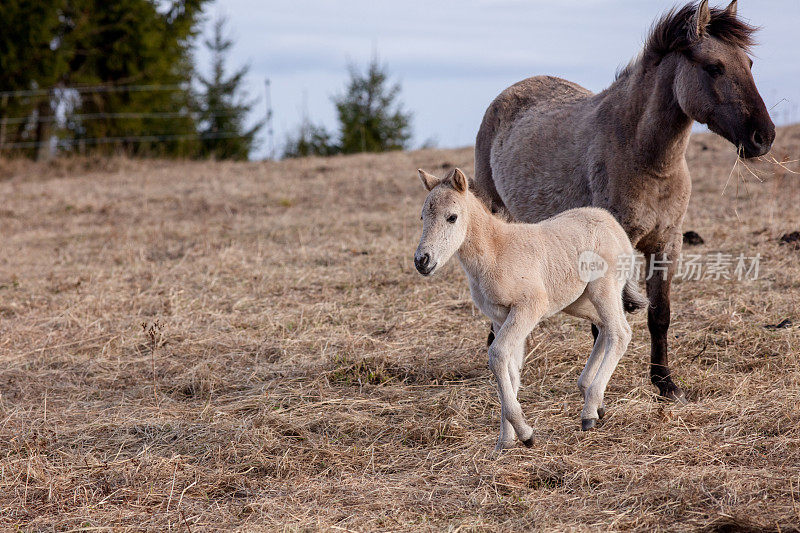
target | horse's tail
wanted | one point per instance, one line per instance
(632, 299)
(483, 183)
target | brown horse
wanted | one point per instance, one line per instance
(547, 145)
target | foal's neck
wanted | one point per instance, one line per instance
(643, 102)
(478, 252)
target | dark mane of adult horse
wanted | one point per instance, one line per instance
(546, 144)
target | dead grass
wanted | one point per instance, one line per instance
(200, 346)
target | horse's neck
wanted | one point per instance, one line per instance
(644, 104)
(478, 252)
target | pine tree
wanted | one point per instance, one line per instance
(370, 119)
(133, 42)
(32, 60)
(310, 139)
(223, 106)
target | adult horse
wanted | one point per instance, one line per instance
(546, 144)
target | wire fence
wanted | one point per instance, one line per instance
(59, 131)
(87, 89)
(51, 121)
(85, 117)
(131, 138)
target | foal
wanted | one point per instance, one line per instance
(521, 273)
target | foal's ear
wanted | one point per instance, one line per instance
(459, 181)
(732, 8)
(428, 180)
(701, 19)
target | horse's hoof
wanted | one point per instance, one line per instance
(528, 442)
(588, 423)
(504, 444)
(601, 412)
(498, 451)
(675, 395)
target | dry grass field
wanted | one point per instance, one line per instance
(203, 346)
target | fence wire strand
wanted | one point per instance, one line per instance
(54, 142)
(88, 89)
(85, 117)
(133, 138)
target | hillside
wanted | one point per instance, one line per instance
(198, 345)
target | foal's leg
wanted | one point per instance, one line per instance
(590, 370)
(658, 317)
(614, 336)
(515, 367)
(507, 434)
(617, 337)
(503, 360)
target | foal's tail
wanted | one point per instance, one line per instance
(632, 299)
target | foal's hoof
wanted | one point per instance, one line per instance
(501, 447)
(601, 412)
(528, 442)
(588, 423)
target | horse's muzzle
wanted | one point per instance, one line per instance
(423, 264)
(759, 141)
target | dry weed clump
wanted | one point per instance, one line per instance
(204, 346)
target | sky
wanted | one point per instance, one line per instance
(453, 58)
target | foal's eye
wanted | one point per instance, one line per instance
(715, 70)
(452, 218)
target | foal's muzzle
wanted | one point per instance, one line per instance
(423, 264)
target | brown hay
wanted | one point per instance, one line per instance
(246, 345)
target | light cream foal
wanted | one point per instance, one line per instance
(579, 262)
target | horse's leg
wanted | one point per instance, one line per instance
(503, 361)
(615, 335)
(515, 367)
(658, 316)
(595, 335)
(507, 434)
(590, 370)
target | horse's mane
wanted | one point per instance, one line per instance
(673, 33)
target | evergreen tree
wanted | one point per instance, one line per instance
(370, 119)
(310, 139)
(32, 59)
(133, 42)
(223, 109)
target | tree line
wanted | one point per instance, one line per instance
(370, 119)
(93, 76)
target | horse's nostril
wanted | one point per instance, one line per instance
(425, 259)
(758, 140)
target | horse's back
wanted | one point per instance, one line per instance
(521, 117)
(594, 227)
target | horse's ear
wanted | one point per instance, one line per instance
(701, 19)
(428, 180)
(731, 9)
(460, 181)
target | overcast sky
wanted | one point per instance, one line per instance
(452, 58)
